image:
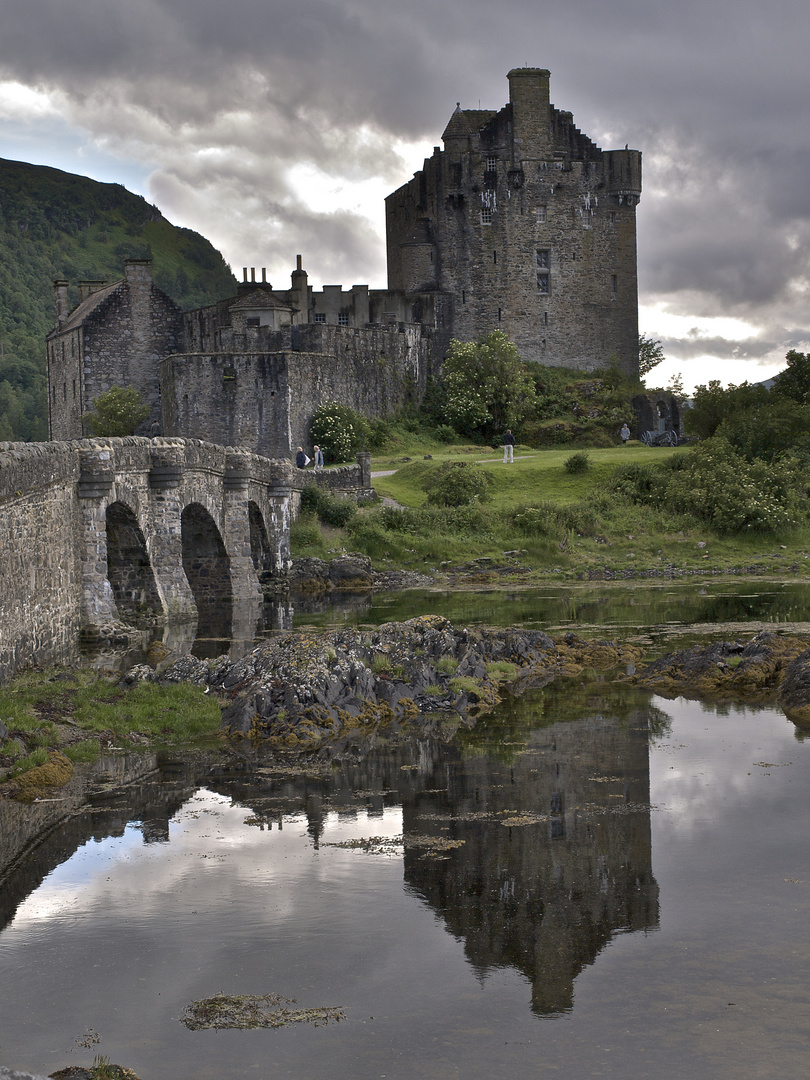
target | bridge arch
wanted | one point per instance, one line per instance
(129, 569)
(207, 567)
(260, 549)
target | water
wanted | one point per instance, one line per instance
(654, 608)
(630, 898)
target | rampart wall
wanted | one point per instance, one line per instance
(265, 402)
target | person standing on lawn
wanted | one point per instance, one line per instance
(508, 447)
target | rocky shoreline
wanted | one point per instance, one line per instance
(308, 691)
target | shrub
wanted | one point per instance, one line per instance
(578, 463)
(642, 484)
(734, 495)
(446, 434)
(329, 509)
(338, 430)
(457, 483)
(543, 520)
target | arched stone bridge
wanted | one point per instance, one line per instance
(100, 535)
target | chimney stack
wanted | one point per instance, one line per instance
(60, 289)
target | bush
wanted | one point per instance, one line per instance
(446, 434)
(457, 483)
(329, 509)
(734, 495)
(642, 484)
(339, 431)
(578, 463)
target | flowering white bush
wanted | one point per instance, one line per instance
(735, 495)
(338, 430)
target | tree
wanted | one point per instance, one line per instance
(794, 381)
(487, 387)
(712, 404)
(650, 355)
(117, 412)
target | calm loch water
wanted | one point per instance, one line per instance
(592, 883)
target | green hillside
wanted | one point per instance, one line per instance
(57, 225)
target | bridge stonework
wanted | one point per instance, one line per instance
(102, 535)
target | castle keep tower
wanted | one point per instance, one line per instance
(529, 227)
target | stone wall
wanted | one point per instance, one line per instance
(117, 336)
(40, 568)
(264, 402)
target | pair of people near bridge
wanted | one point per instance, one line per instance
(302, 459)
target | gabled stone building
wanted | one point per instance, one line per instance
(116, 336)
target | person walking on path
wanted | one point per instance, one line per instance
(317, 458)
(301, 459)
(625, 434)
(508, 447)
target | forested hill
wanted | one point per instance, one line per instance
(57, 225)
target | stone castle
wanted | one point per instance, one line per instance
(519, 224)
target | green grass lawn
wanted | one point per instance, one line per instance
(535, 475)
(578, 528)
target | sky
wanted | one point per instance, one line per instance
(278, 129)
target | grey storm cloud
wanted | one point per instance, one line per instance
(227, 101)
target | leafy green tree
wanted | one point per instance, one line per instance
(768, 430)
(712, 404)
(117, 412)
(650, 354)
(794, 381)
(487, 387)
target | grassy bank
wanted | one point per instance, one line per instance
(550, 520)
(77, 712)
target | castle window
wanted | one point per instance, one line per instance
(544, 283)
(541, 215)
(612, 217)
(253, 322)
(614, 285)
(486, 215)
(319, 316)
(543, 259)
(495, 256)
(491, 163)
(343, 319)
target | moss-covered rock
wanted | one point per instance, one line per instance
(55, 772)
